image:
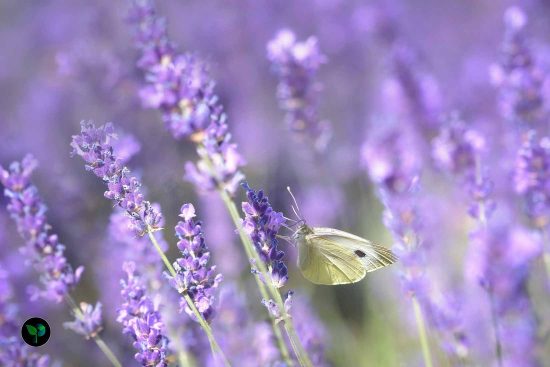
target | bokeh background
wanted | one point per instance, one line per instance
(65, 61)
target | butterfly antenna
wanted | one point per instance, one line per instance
(296, 209)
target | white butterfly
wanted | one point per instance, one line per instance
(330, 256)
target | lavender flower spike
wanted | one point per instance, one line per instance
(262, 223)
(43, 248)
(141, 319)
(180, 87)
(87, 321)
(532, 178)
(95, 146)
(518, 77)
(193, 274)
(13, 352)
(296, 65)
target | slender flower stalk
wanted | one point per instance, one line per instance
(94, 145)
(296, 65)
(180, 87)
(43, 248)
(13, 352)
(261, 223)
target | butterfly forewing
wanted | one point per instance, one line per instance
(324, 262)
(371, 255)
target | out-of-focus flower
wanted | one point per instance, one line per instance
(517, 76)
(181, 87)
(296, 64)
(499, 260)
(311, 331)
(457, 150)
(88, 320)
(194, 276)
(256, 345)
(532, 177)
(13, 352)
(412, 92)
(262, 223)
(95, 146)
(391, 157)
(141, 319)
(42, 247)
(456, 147)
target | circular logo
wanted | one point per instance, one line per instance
(35, 331)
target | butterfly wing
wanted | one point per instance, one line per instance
(324, 262)
(372, 256)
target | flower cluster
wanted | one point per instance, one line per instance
(141, 319)
(95, 146)
(296, 64)
(517, 76)
(13, 352)
(394, 167)
(262, 223)
(457, 147)
(193, 274)
(29, 213)
(87, 320)
(532, 177)
(414, 93)
(180, 86)
(457, 150)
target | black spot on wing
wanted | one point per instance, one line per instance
(360, 253)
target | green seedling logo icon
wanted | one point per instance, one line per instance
(35, 331)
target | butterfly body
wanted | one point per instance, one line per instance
(330, 256)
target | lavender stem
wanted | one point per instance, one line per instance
(297, 347)
(421, 325)
(97, 339)
(213, 343)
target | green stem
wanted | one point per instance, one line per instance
(483, 224)
(426, 353)
(297, 347)
(214, 346)
(97, 339)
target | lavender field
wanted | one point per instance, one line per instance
(149, 151)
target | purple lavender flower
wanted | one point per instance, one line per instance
(95, 146)
(88, 320)
(296, 64)
(141, 319)
(193, 274)
(532, 177)
(392, 160)
(517, 76)
(311, 331)
(42, 247)
(456, 147)
(499, 260)
(181, 87)
(256, 345)
(457, 150)
(13, 352)
(262, 223)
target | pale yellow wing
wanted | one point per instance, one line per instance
(324, 262)
(372, 256)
